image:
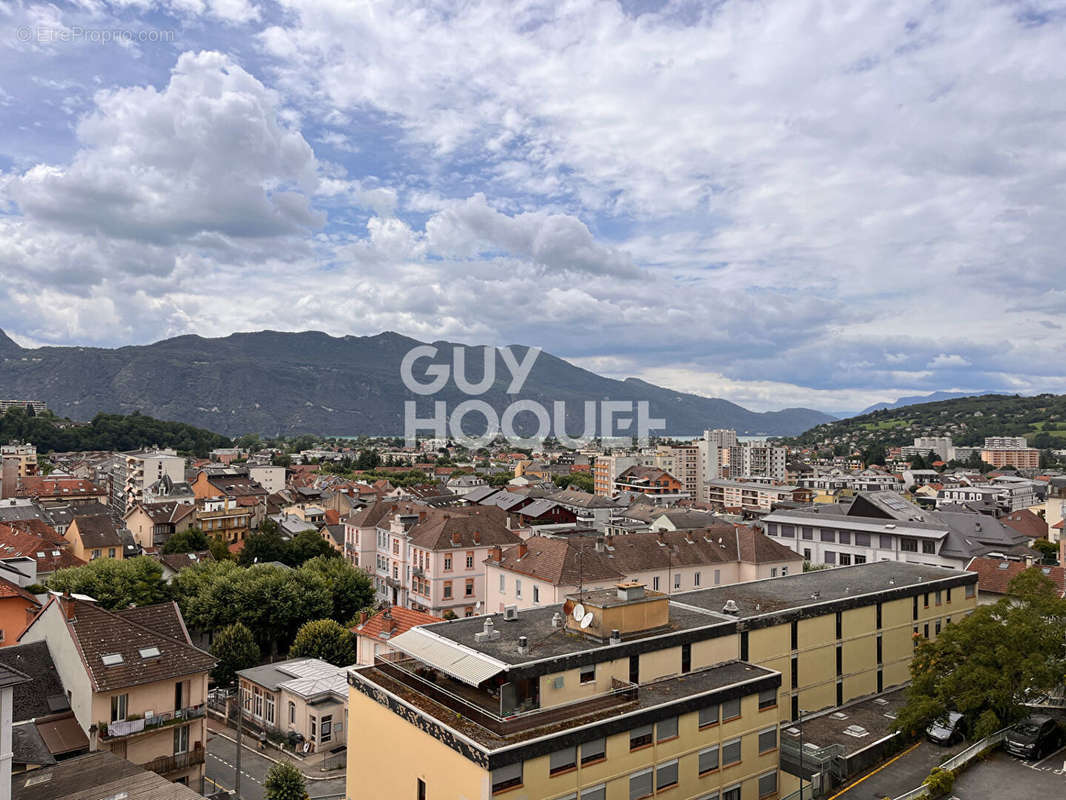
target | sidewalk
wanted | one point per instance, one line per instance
(310, 766)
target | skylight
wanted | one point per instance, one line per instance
(149, 652)
(111, 659)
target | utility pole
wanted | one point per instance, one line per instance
(801, 753)
(237, 762)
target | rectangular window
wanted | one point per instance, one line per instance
(588, 674)
(829, 536)
(880, 650)
(327, 728)
(595, 793)
(677, 580)
(655, 583)
(840, 660)
(845, 537)
(421, 795)
(939, 597)
(768, 784)
(666, 729)
(517, 587)
(862, 539)
(292, 712)
(562, 760)
(506, 777)
(469, 588)
(787, 531)
(767, 699)
(830, 557)
(686, 658)
(731, 752)
(840, 625)
(795, 672)
(928, 546)
(731, 709)
(807, 533)
(258, 704)
(732, 793)
(925, 600)
(181, 740)
(886, 542)
(469, 560)
(937, 628)
(503, 583)
(970, 589)
(634, 669)
(593, 751)
(666, 775)
(879, 625)
(845, 559)
(908, 545)
(696, 579)
(717, 577)
(709, 716)
(447, 590)
(948, 598)
(536, 594)
(640, 785)
(915, 612)
(744, 646)
(447, 563)
(794, 640)
(640, 737)
(860, 559)
(119, 703)
(708, 760)
(767, 740)
(840, 693)
(269, 717)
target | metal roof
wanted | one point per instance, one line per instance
(458, 661)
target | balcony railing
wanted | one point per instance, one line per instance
(130, 727)
(164, 765)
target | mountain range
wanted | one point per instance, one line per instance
(273, 383)
(916, 399)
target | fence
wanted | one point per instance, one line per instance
(960, 760)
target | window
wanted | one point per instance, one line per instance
(840, 625)
(421, 794)
(666, 729)
(795, 672)
(447, 563)
(655, 583)
(879, 625)
(928, 546)
(258, 704)
(786, 531)
(886, 542)
(640, 784)
(845, 537)
(640, 737)
(469, 560)
(806, 554)
(708, 760)
(860, 559)
(696, 579)
(829, 536)
(880, 650)
(503, 583)
(677, 580)
(840, 693)
(840, 660)
(717, 577)
(327, 728)
(709, 716)
(506, 777)
(118, 707)
(666, 775)
(807, 533)
(732, 793)
(686, 658)
(588, 674)
(292, 713)
(595, 793)
(744, 646)
(830, 557)
(634, 669)
(794, 643)
(536, 594)
(181, 740)
(447, 590)
(784, 571)
(939, 597)
(562, 760)
(767, 699)
(314, 728)
(469, 588)
(908, 545)
(970, 588)
(730, 709)
(593, 751)
(948, 598)
(767, 740)
(731, 752)
(915, 612)
(269, 709)
(925, 600)
(845, 559)
(517, 587)
(937, 628)
(862, 539)
(773, 572)
(111, 552)
(767, 784)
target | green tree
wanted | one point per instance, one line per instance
(235, 649)
(1049, 550)
(307, 545)
(264, 546)
(582, 481)
(351, 587)
(191, 541)
(115, 584)
(875, 454)
(285, 782)
(326, 639)
(984, 665)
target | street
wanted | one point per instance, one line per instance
(221, 755)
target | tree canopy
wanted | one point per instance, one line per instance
(325, 639)
(285, 782)
(986, 664)
(351, 587)
(113, 583)
(235, 649)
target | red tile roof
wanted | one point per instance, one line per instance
(50, 553)
(9, 589)
(332, 516)
(995, 574)
(403, 618)
(1025, 521)
(37, 486)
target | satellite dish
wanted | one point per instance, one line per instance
(579, 612)
(586, 620)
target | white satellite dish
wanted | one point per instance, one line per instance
(579, 612)
(586, 620)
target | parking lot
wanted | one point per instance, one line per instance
(903, 773)
(1003, 775)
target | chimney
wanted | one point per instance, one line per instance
(608, 540)
(1029, 561)
(731, 608)
(67, 605)
(421, 516)
(557, 620)
(523, 548)
(523, 645)
(495, 553)
(600, 544)
(388, 622)
(363, 616)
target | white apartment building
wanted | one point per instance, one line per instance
(269, 477)
(712, 445)
(135, 471)
(749, 459)
(1005, 443)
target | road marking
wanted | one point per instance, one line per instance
(1050, 756)
(851, 786)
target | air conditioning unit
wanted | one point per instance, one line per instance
(510, 613)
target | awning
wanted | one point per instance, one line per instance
(459, 662)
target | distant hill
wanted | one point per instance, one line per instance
(968, 420)
(288, 383)
(920, 398)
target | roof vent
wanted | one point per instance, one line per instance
(557, 620)
(730, 607)
(616, 636)
(630, 591)
(510, 613)
(838, 715)
(523, 645)
(856, 730)
(488, 633)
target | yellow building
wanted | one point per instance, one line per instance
(625, 693)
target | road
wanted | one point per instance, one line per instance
(221, 754)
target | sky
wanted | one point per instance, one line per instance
(797, 203)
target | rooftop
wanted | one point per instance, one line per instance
(306, 677)
(851, 727)
(94, 776)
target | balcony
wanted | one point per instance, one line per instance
(165, 765)
(485, 709)
(132, 727)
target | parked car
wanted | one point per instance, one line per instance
(1034, 737)
(946, 731)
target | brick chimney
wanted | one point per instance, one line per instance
(363, 616)
(388, 623)
(495, 553)
(523, 548)
(68, 605)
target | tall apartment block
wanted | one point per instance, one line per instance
(135, 471)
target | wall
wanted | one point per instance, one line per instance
(15, 613)
(52, 628)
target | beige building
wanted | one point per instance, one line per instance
(94, 537)
(134, 472)
(153, 523)
(542, 570)
(645, 694)
(24, 455)
(305, 698)
(137, 685)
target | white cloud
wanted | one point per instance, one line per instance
(944, 360)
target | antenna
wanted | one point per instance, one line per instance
(579, 612)
(586, 620)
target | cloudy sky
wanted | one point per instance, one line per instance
(781, 203)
